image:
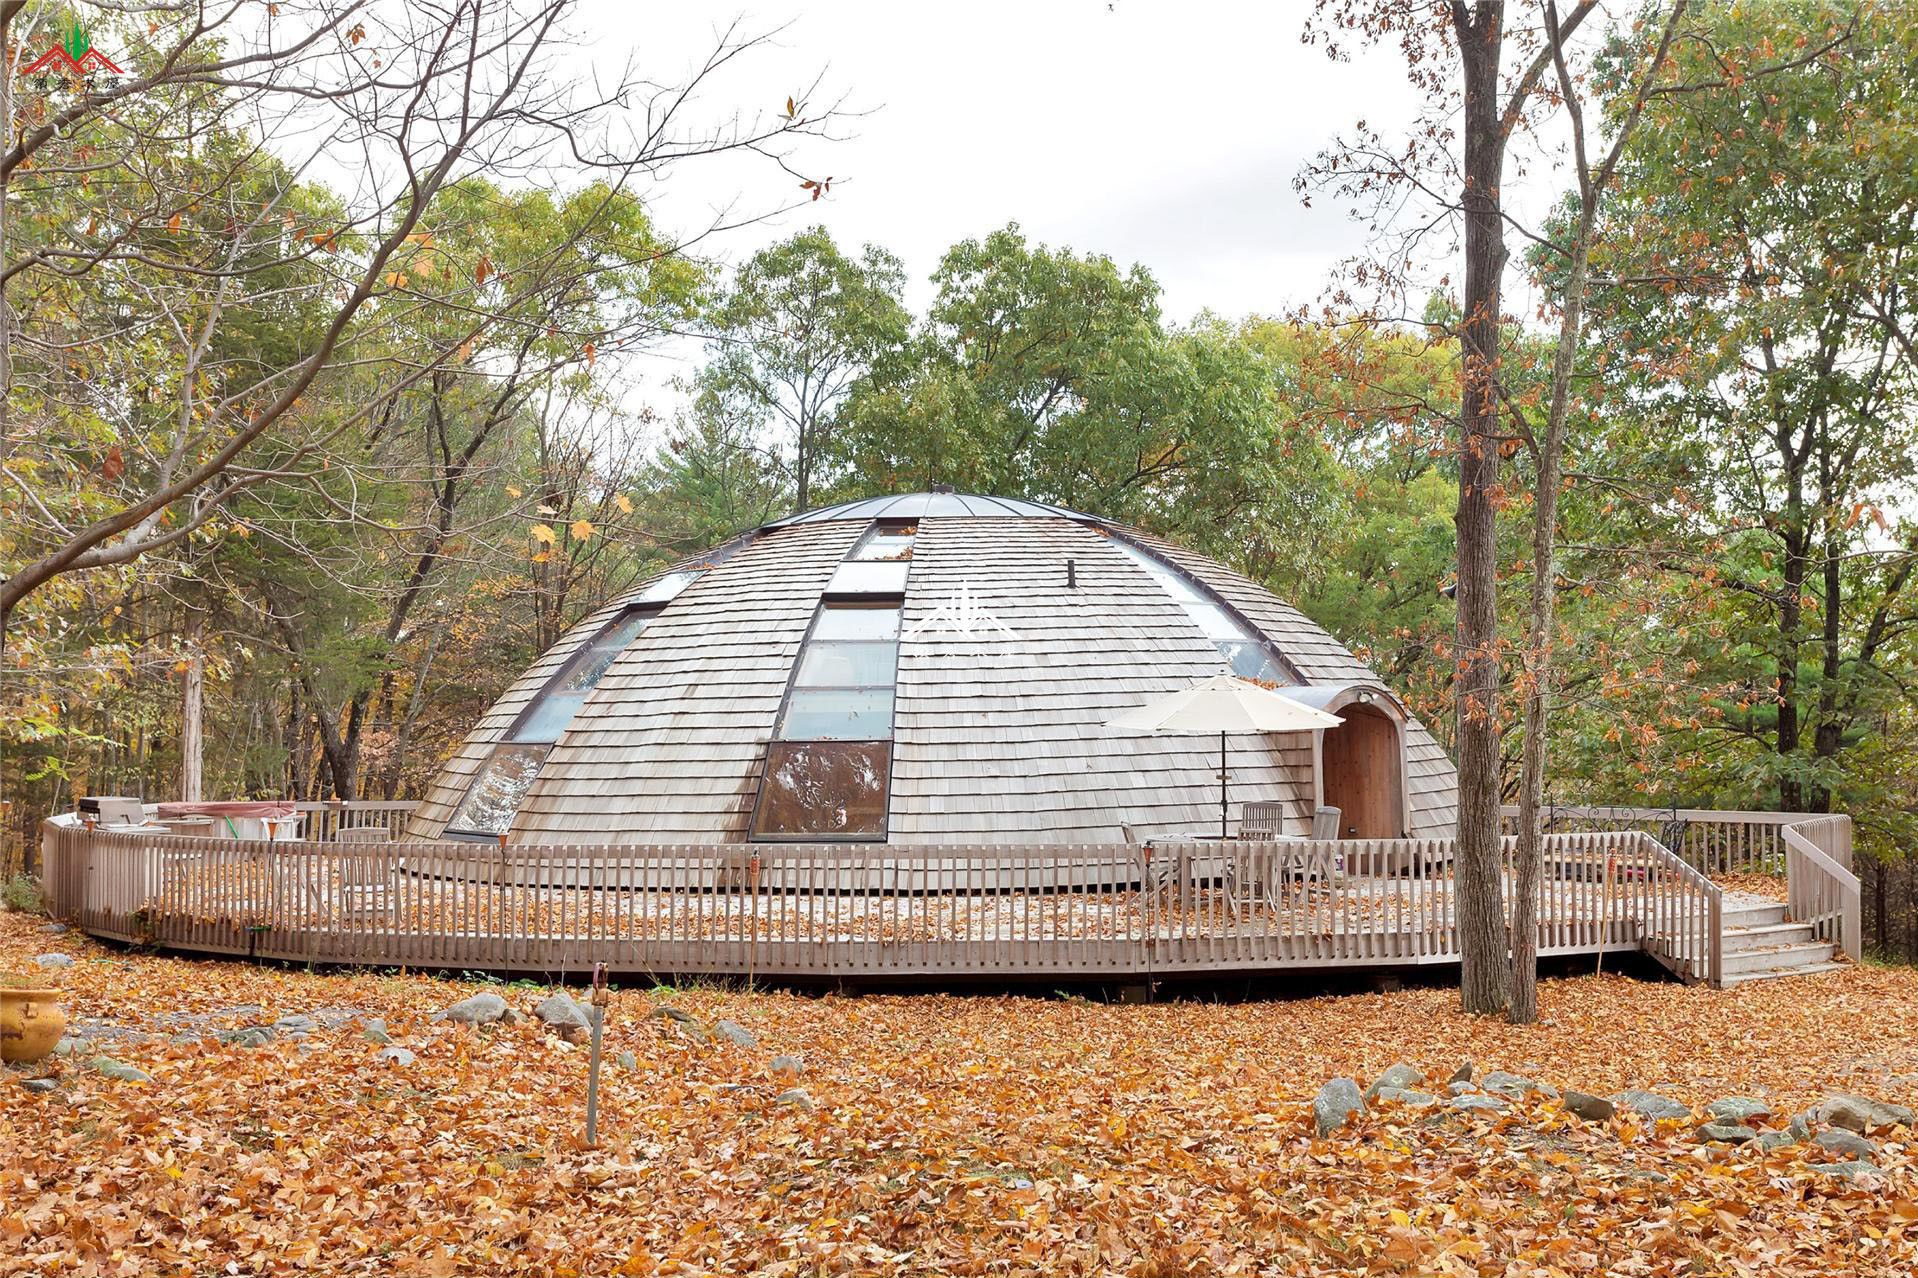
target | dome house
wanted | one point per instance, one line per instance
(932, 668)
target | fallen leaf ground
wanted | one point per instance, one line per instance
(961, 1135)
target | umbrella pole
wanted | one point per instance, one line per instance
(1222, 833)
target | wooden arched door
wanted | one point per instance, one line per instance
(1362, 769)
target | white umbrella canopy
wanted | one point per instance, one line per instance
(1222, 704)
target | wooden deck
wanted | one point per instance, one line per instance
(1097, 911)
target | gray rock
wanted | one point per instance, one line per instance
(41, 1085)
(54, 961)
(559, 1011)
(1463, 1074)
(1738, 1109)
(794, 1096)
(1858, 1114)
(1651, 1104)
(1849, 1170)
(1460, 1087)
(1408, 1096)
(1335, 1104)
(511, 1016)
(1799, 1127)
(296, 1025)
(1515, 1086)
(1848, 1143)
(1476, 1101)
(667, 1012)
(66, 1047)
(1776, 1140)
(735, 1033)
(247, 1036)
(1399, 1076)
(1593, 1109)
(53, 929)
(375, 1031)
(120, 1070)
(1727, 1133)
(481, 1009)
(626, 1060)
(396, 1056)
(788, 1066)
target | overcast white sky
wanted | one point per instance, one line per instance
(1151, 131)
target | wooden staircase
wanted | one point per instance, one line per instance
(1762, 944)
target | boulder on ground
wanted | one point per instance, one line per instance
(626, 1060)
(1727, 1133)
(1738, 1109)
(481, 1009)
(1593, 1109)
(1651, 1104)
(1770, 1141)
(1859, 1114)
(1398, 1075)
(1409, 1096)
(53, 929)
(736, 1034)
(1516, 1086)
(788, 1066)
(395, 1056)
(54, 961)
(1848, 1143)
(295, 1025)
(667, 1012)
(794, 1096)
(560, 1012)
(375, 1030)
(1463, 1074)
(121, 1070)
(1849, 1170)
(42, 1085)
(1335, 1104)
(247, 1036)
(1475, 1100)
(1462, 1087)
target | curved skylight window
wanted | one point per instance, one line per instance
(501, 784)
(1244, 650)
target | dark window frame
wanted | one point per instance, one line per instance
(875, 603)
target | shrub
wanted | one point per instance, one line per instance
(21, 893)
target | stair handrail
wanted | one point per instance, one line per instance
(1823, 892)
(1698, 934)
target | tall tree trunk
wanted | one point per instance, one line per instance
(1484, 971)
(192, 718)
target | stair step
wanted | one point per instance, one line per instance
(1765, 935)
(1777, 973)
(1753, 915)
(1769, 957)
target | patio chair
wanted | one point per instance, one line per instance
(1325, 823)
(363, 834)
(1262, 820)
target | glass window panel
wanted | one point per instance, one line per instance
(667, 588)
(1215, 623)
(548, 716)
(498, 788)
(824, 789)
(853, 622)
(1251, 661)
(885, 543)
(584, 670)
(857, 578)
(838, 714)
(848, 665)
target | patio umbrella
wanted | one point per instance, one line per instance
(1224, 703)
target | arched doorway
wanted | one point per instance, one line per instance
(1363, 772)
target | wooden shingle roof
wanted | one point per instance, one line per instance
(999, 712)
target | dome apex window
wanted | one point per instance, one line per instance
(878, 562)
